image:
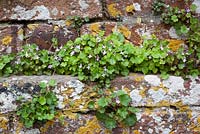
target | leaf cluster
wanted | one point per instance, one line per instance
(187, 25)
(41, 108)
(116, 109)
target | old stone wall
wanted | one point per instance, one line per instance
(166, 106)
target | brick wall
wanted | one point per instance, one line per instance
(166, 107)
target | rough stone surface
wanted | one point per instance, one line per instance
(116, 8)
(168, 106)
(45, 9)
(132, 31)
(11, 38)
(42, 34)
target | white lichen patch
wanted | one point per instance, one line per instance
(158, 95)
(38, 12)
(60, 101)
(174, 84)
(197, 3)
(194, 94)
(6, 101)
(137, 6)
(83, 4)
(135, 96)
(54, 11)
(153, 80)
(31, 131)
(172, 33)
(77, 86)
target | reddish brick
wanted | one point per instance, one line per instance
(49, 9)
(132, 32)
(117, 8)
(11, 38)
(42, 34)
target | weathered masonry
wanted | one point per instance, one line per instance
(169, 106)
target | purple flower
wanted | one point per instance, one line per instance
(187, 10)
(50, 66)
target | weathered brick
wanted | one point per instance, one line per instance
(45, 9)
(132, 31)
(11, 38)
(42, 34)
(116, 8)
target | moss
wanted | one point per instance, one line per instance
(6, 40)
(113, 11)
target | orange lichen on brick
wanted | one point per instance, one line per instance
(94, 28)
(136, 132)
(174, 45)
(91, 127)
(130, 9)
(6, 40)
(113, 11)
(125, 31)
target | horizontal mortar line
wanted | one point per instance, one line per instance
(22, 22)
(168, 106)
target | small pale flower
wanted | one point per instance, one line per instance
(104, 52)
(80, 66)
(72, 53)
(88, 67)
(50, 66)
(98, 39)
(78, 47)
(89, 56)
(161, 48)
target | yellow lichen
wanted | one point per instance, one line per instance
(70, 114)
(6, 40)
(125, 131)
(3, 123)
(113, 11)
(130, 9)
(94, 28)
(32, 27)
(68, 22)
(125, 31)
(139, 20)
(46, 126)
(174, 45)
(19, 127)
(91, 127)
(56, 28)
(142, 92)
(136, 132)
(137, 77)
(20, 32)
